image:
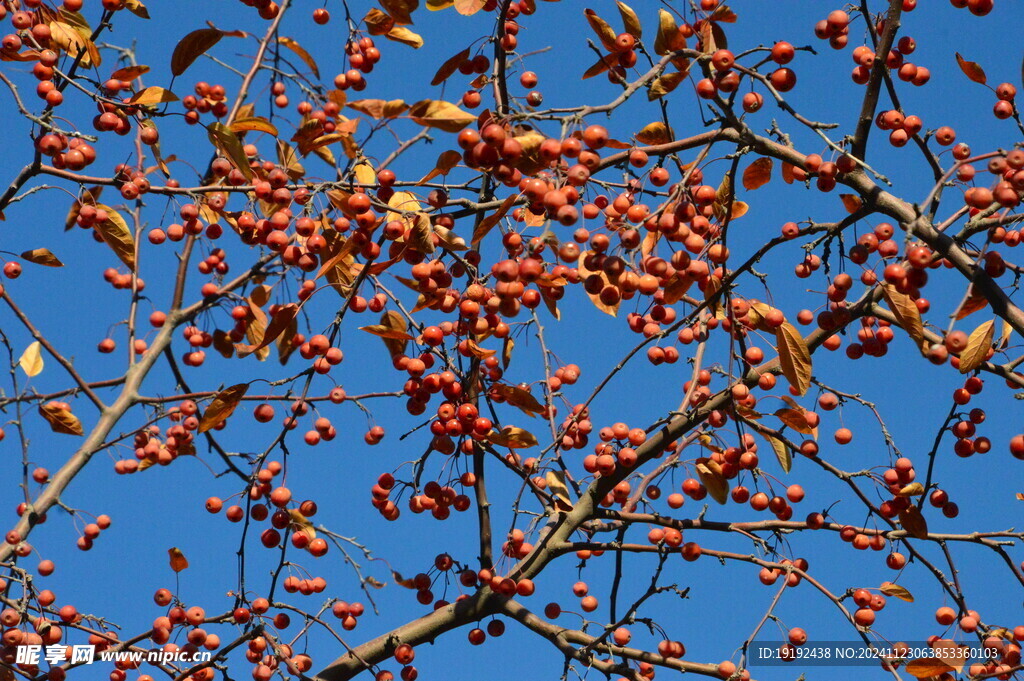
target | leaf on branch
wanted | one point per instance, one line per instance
(42, 256)
(445, 162)
(978, 345)
(75, 42)
(602, 65)
(400, 10)
(559, 491)
(782, 452)
(630, 20)
(851, 202)
(116, 234)
(797, 420)
(669, 39)
(289, 160)
(972, 303)
(61, 420)
(900, 592)
(137, 8)
(300, 523)
(222, 406)
(787, 173)
(129, 73)
(177, 559)
(710, 473)
(595, 298)
(192, 46)
(794, 357)
(400, 34)
(601, 28)
(513, 438)
(228, 144)
(757, 174)
(378, 22)
(927, 667)
(654, 133)
(439, 114)
(379, 108)
(971, 69)
(914, 523)
(506, 352)
(254, 123)
(914, 489)
(153, 95)
(665, 83)
(31, 361)
(468, 8)
(282, 320)
(516, 396)
(449, 67)
(488, 223)
(906, 313)
(392, 330)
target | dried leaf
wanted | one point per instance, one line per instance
(392, 330)
(664, 84)
(782, 452)
(669, 39)
(222, 406)
(851, 202)
(599, 67)
(630, 20)
(978, 345)
(890, 589)
(971, 69)
(192, 46)
(300, 523)
(797, 420)
(137, 8)
(228, 143)
(794, 357)
(60, 420)
(400, 34)
(757, 174)
(595, 298)
(31, 361)
(906, 313)
(289, 160)
(488, 223)
(914, 489)
(927, 667)
(513, 438)
(914, 523)
(506, 352)
(439, 114)
(153, 95)
(516, 396)
(469, 7)
(305, 56)
(445, 162)
(178, 560)
(254, 123)
(787, 173)
(378, 22)
(130, 73)
(42, 256)
(282, 320)
(559, 491)
(116, 234)
(710, 474)
(68, 38)
(654, 133)
(449, 67)
(601, 28)
(400, 10)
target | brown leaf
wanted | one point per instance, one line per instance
(782, 452)
(906, 313)
(42, 256)
(178, 560)
(757, 174)
(400, 10)
(439, 114)
(630, 20)
(300, 523)
(664, 84)
(449, 67)
(513, 438)
(599, 67)
(228, 143)
(130, 73)
(289, 160)
(654, 133)
(972, 303)
(890, 589)
(851, 202)
(116, 234)
(711, 477)
(222, 406)
(506, 352)
(601, 28)
(282, 320)
(794, 357)
(379, 108)
(971, 69)
(669, 39)
(978, 345)
(797, 420)
(488, 223)
(914, 523)
(926, 667)
(517, 397)
(255, 123)
(378, 22)
(595, 298)
(153, 95)
(445, 162)
(676, 288)
(393, 331)
(787, 173)
(192, 46)
(60, 420)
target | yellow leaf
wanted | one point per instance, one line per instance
(116, 234)
(927, 667)
(440, 114)
(42, 256)
(794, 357)
(711, 477)
(392, 330)
(400, 34)
(669, 39)
(664, 84)
(978, 345)
(31, 361)
(379, 108)
(282, 320)
(137, 8)
(513, 438)
(305, 56)
(906, 313)
(289, 160)
(228, 143)
(301, 523)
(757, 174)
(782, 452)
(477, 351)
(851, 202)
(255, 123)
(630, 20)
(890, 589)
(797, 420)
(60, 420)
(559, 491)
(468, 8)
(654, 133)
(153, 95)
(222, 406)
(914, 489)
(445, 162)
(364, 173)
(178, 560)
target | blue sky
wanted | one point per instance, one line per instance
(163, 507)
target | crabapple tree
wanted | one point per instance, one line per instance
(348, 340)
